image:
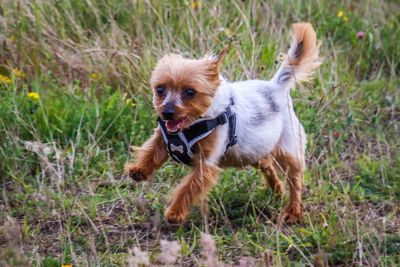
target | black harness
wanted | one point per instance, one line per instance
(180, 145)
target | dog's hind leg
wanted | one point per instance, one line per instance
(292, 212)
(266, 166)
(294, 168)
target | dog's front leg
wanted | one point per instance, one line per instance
(197, 183)
(149, 157)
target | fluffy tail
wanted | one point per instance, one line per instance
(303, 56)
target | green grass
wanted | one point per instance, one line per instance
(64, 198)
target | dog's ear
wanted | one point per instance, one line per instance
(217, 60)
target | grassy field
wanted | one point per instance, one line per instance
(75, 95)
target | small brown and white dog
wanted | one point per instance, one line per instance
(269, 135)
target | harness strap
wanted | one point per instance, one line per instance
(177, 145)
(180, 145)
(232, 126)
(204, 126)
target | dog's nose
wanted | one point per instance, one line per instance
(168, 113)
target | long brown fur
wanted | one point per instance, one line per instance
(294, 169)
(303, 58)
(178, 73)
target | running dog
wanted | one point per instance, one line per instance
(208, 123)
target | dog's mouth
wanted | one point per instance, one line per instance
(175, 126)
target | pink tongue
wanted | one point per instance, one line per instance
(172, 125)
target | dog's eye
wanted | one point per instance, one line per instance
(190, 93)
(160, 90)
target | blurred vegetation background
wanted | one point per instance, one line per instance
(75, 95)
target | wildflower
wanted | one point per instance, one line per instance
(33, 95)
(209, 250)
(4, 79)
(360, 35)
(95, 76)
(68, 265)
(345, 18)
(11, 38)
(340, 14)
(229, 32)
(196, 4)
(170, 251)
(18, 73)
(140, 257)
(128, 100)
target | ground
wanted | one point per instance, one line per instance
(75, 96)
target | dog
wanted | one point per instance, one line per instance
(209, 123)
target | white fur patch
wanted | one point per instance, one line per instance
(265, 118)
(174, 97)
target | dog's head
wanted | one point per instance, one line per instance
(184, 88)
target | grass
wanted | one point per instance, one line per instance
(64, 198)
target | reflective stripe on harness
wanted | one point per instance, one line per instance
(180, 145)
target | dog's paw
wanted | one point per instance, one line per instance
(290, 215)
(137, 174)
(173, 216)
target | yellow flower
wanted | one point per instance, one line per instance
(340, 14)
(229, 32)
(128, 100)
(11, 38)
(68, 265)
(196, 4)
(4, 79)
(18, 73)
(95, 76)
(345, 18)
(33, 95)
